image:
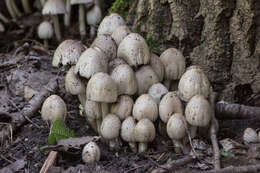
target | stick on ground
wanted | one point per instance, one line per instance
(49, 161)
(232, 169)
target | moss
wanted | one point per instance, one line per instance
(121, 7)
(153, 44)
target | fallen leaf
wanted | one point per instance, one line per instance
(14, 167)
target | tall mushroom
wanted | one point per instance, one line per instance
(123, 107)
(127, 132)
(94, 16)
(45, 32)
(198, 113)
(54, 8)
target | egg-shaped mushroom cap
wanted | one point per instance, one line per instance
(110, 23)
(67, 53)
(174, 63)
(120, 33)
(250, 135)
(157, 66)
(145, 78)
(53, 108)
(102, 88)
(91, 153)
(157, 91)
(127, 129)
(113, 63)
(170, 104)
(125, 79)
(176, 126)
(94, 15)
(91, 62)
(45, 30)
(194, 81)
(145, 107)
(134, 50)
(123, 107)
(198, 111)
(144, 131)
(110, 127)
(54, 7)
(106, 44)
(92, 110)
(73, 84)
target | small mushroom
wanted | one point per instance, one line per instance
(250, 136)
(176, 130)
(174, 64)
(157, 66)
(54, 8)
(53, 108)
(157, 91)
(145, 107)
(91, 153)
(106, 44)
(110, 23)
(120, 33)
(194, 81)
(144, 132)
(45, 32)
(123, 107)
(125, 79)
(198, 113)
(94, 16)
(67, 53)
(145, 77)
(110, 129)
(127, 132)
(134, 50)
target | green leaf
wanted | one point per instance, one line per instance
(224, 153)
(169, 160)
(59, 131)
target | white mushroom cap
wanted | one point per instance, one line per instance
(145, 107)
(144, 131)
(194, 81)
(169, 104)
(67, 53)
(125, 79)
(102, 88)
(198, 111)
(91, 153)
(157, 66)
(110, 127)
(73, 84)
(157, 91)
(174, 63)
(53, 7)
(53, 107)
(81, 2)
(106, 44)
(127, 129)
(94, 15)
(120, 33)
(176, 126)
(113, 63)
(134, 50)
(123, 107)
(45, 30)
(91, 62)
(110, 23)
(92, 110)
(145, 78)
(250, 135)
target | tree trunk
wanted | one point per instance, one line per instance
(220, 36)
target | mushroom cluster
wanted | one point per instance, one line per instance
(125, 88)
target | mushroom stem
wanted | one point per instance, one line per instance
(104, 110)
(82, 98)
(92, 123)
(82, 25)
(98, 122)
(46, 44)
(8, 4)
(112, 143)
(42, 2)
(67, 14)
(167, 83)
(55, 19)
(16, 9)
(26, 6)
(142, 147)
(92, 31)
(133, 146)
(178, 146)
(3, 18)
(193, 131)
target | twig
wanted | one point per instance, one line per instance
(132, 169)
(169, 167)
(213, 132)
(233, 169)
(49, 161)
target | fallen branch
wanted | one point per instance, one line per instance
(169, 167)
(49, 162)
(233, 169)
(18, 118)
(214, 131)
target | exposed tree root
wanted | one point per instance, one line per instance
(232, 169)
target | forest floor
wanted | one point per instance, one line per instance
(24, 62)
